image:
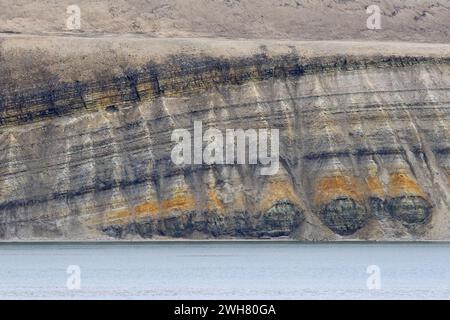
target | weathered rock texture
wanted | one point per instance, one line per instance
(85, 142)
(401, 20)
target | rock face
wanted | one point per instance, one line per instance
(344, 215)
(410, 209)
(280, 220)
(85, 139)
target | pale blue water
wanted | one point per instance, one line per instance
(225, 270)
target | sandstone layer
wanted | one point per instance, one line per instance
(85, 139)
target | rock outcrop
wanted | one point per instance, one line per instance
(85, 139)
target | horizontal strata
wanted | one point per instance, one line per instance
(364, 150)
(177, 76)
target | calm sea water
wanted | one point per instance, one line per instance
(225, 270)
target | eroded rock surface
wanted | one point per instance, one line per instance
(344, 216)
(85, 150)
(410, 209)
(280, 220)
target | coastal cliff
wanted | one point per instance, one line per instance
(85, 139)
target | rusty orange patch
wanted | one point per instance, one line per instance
(179, 202)
(214, 202)
(329, 188)
(146, 209)
(401, 183)
(374, 186)
(276, 190)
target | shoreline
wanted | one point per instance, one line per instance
(205, 241)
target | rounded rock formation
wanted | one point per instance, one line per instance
(410, 209)
(281, 219)
(344, 215)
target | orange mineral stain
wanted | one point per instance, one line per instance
(178, 202)
(276, 190)
(329, 188)
(374, 186)
(146, 209)
(401, 184)
(214, 202)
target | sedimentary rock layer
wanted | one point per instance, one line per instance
(85, 139)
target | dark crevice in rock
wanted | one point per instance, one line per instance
(111, 109)
(377, 207)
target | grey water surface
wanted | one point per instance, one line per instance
(225, 270)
